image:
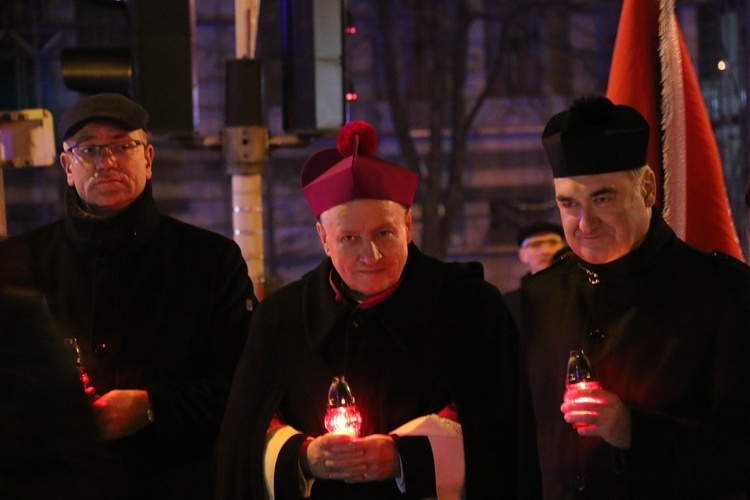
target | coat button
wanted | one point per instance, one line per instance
(597, 334)
(579, 483)
(100, 348)
(356, 322)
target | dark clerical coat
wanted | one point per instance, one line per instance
(667, 329)
(444, 335)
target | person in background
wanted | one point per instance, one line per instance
(666, 328)
(539, 243)
(159, 308)
(414, 338)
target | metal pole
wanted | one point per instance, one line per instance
(245, 141)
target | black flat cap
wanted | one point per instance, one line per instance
(595, 136)
(103, 107)
(540, 227)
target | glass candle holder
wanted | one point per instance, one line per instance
(83, 375)
(342, 416)
(580, 375)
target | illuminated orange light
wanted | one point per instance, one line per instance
(343, 420)
(83, 376)
(585, 385)
(583, 399)
(587, 399)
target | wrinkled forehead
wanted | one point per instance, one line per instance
(584, 185)
(363, 212)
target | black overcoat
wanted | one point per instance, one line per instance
(49, 449)
(155, 304)
(667, 329)
(443, 336)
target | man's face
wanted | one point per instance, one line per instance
(538, 249)
(113, 181)
(367, 242)
(605, 216)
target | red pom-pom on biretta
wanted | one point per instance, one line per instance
(353, 131)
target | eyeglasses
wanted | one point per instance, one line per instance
(91, 154)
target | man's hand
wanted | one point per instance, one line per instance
(120, 413)
(373, 458)
(596, 412)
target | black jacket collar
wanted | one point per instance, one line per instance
(402, 314)
(639, 261)
(116, 235)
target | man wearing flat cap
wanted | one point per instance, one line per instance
(160, 309)
(666, 328)
(427, 348)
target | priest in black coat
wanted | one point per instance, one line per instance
(428, 349)
(665, 325)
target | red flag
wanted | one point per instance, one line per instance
(651, 71)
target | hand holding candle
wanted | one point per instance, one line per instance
(353, 460)
(341, 454)
(591, 410)
(580, 378)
